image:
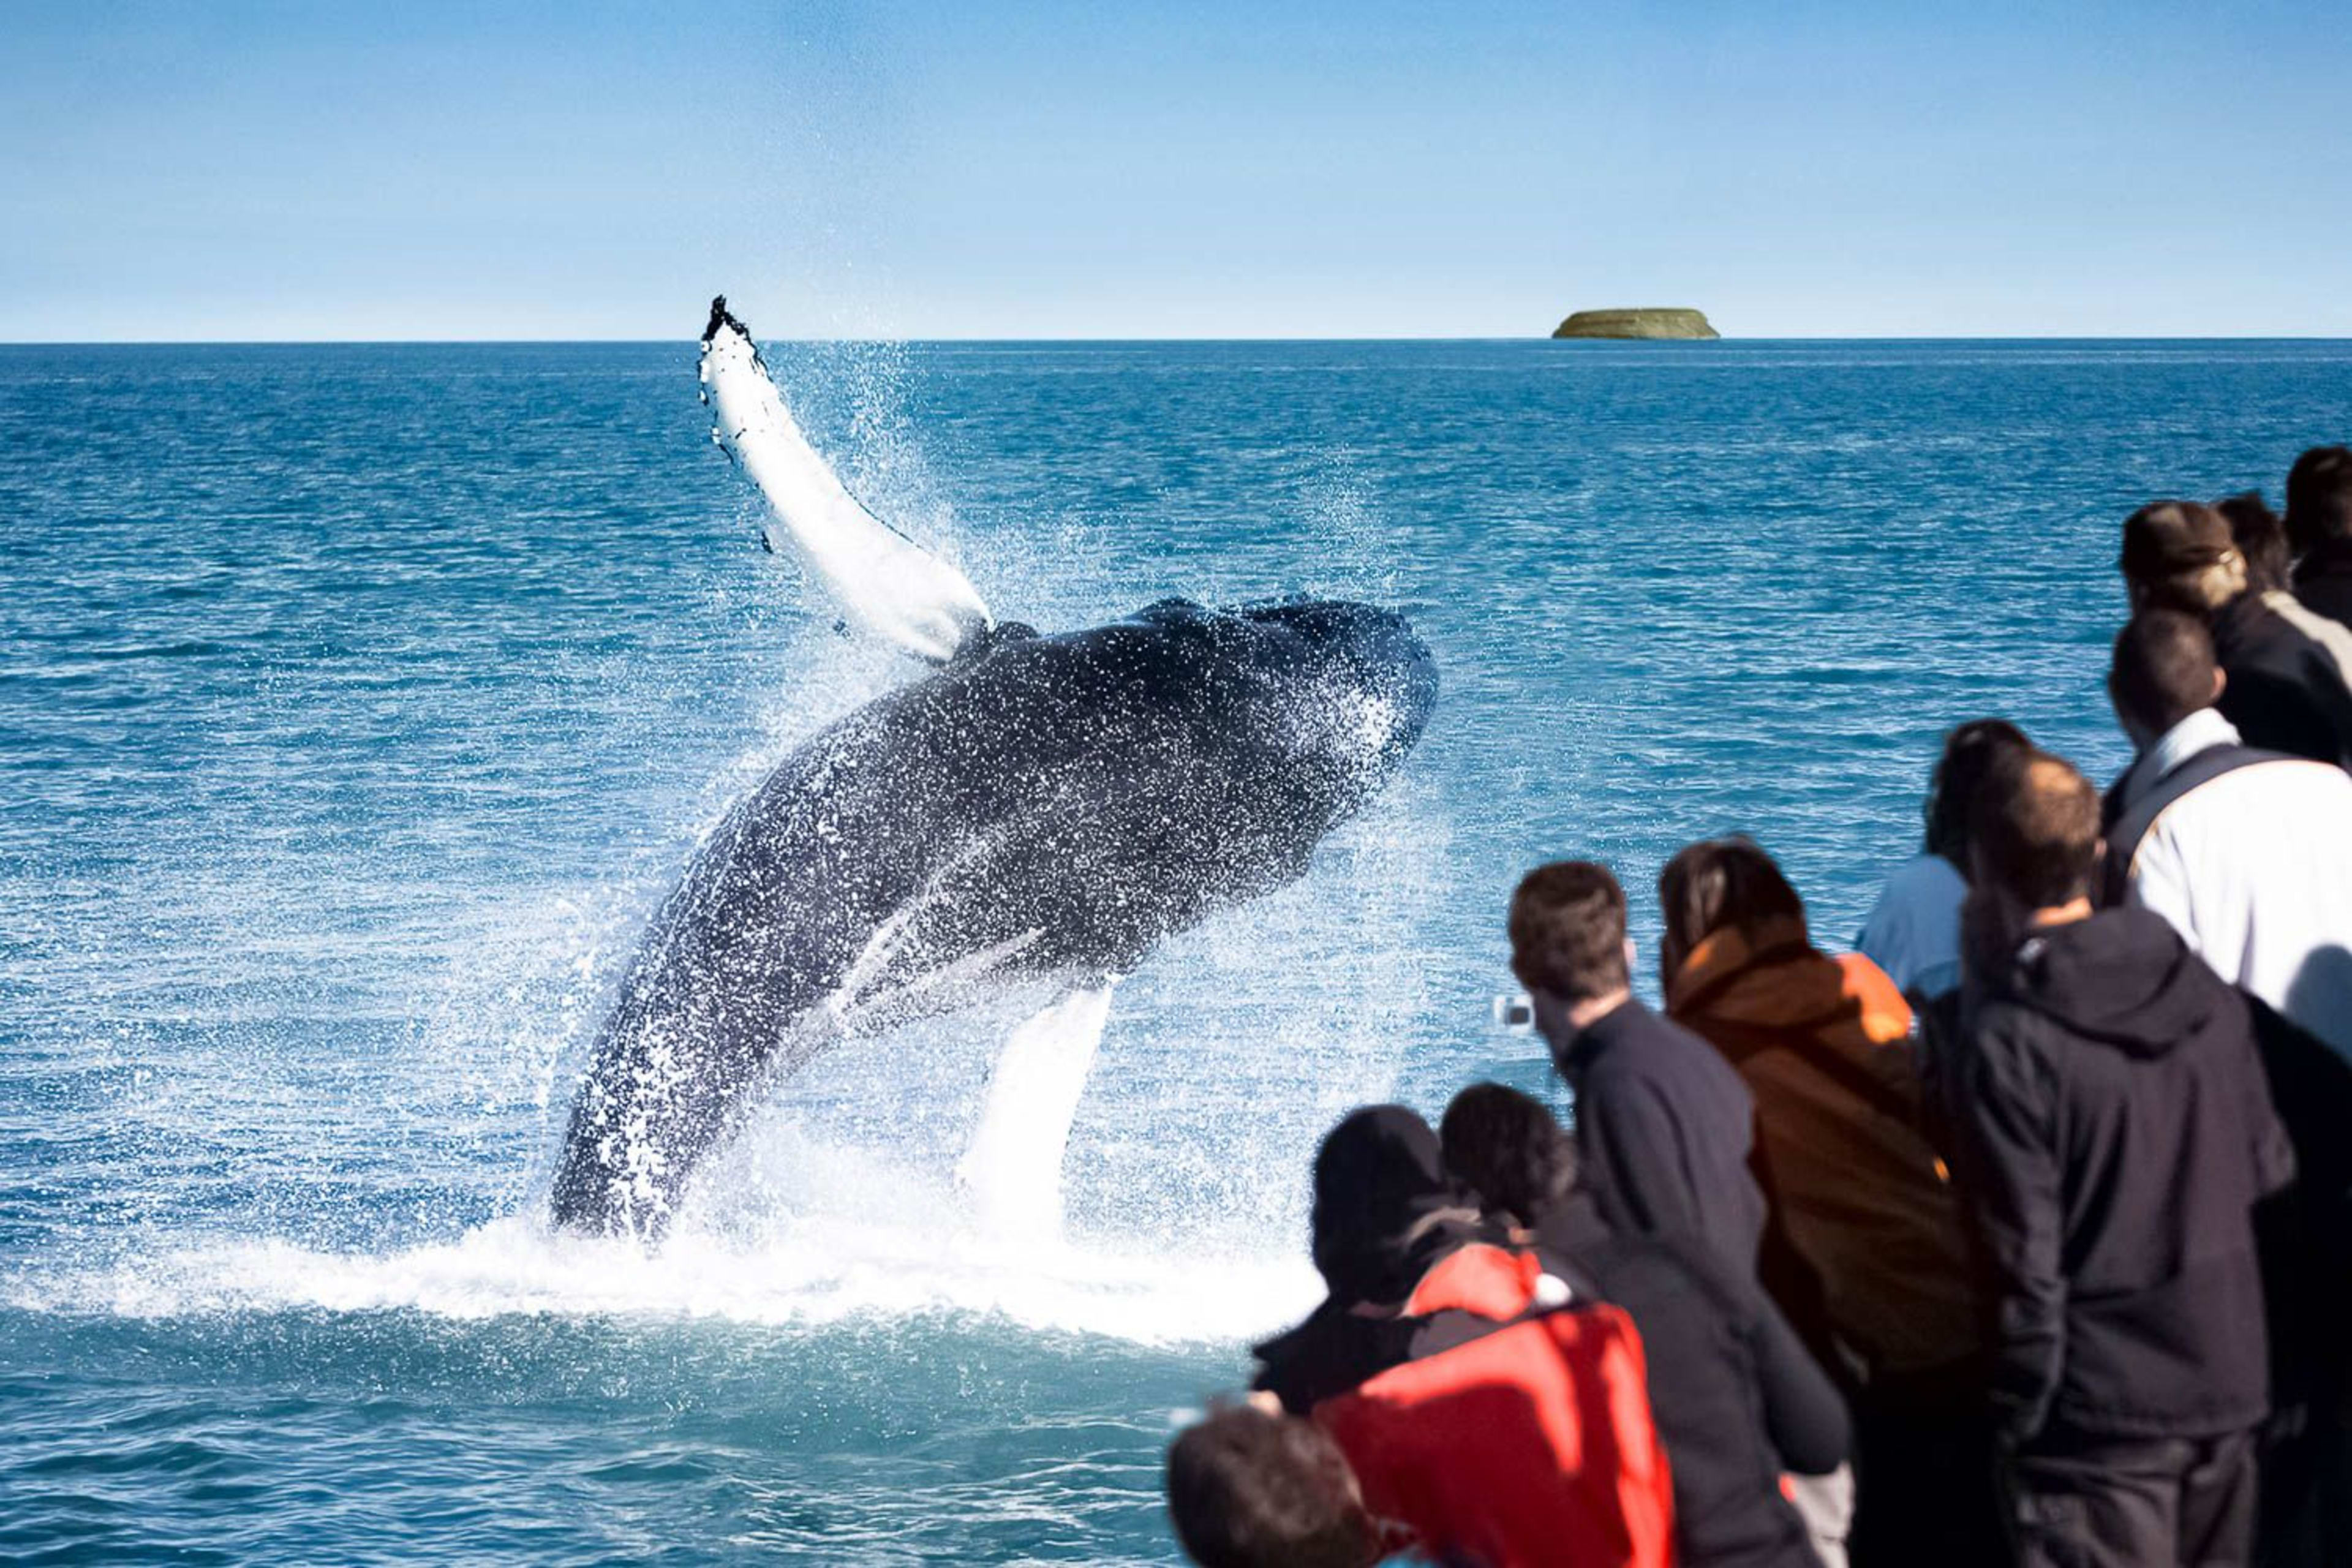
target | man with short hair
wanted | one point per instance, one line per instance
(2319, 529)
(2286, 692)
(1664, 1121)
(2248, 853)
(2115, 1137)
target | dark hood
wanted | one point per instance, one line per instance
(1384, 1206)
(2123, 977)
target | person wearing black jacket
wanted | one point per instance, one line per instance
(1735, 1398)
(2285, 690)
(1664, 1123)
(1385, 1213)
(2114, 1134)
(2319, 529)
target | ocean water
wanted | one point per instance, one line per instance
(358, 703)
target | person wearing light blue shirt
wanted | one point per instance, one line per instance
(1914, 932)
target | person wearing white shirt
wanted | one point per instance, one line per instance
(2248, 854)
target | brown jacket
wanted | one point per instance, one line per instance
(1824, 1046)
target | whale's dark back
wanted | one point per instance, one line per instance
(1046, 805)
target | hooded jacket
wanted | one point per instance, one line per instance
(1385, 1212)
(1824, 1046)
(2116, 1133)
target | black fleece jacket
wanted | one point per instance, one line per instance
(2283, 692)
(2323, 579)
(2114, 1134)
(1665, 1125)
(1735, 1398)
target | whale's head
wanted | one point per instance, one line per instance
(1290, 717)
(1353, 683)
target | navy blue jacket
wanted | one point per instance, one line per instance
(1665, 1125)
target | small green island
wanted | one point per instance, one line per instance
(1675, 324)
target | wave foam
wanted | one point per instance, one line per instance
(812, 1273)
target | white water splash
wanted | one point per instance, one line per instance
(811, 1272)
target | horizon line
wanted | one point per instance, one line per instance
(422, 341)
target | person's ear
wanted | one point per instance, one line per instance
(2220, 684)
(1632, 955)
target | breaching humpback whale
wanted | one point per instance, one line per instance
(1035, 809)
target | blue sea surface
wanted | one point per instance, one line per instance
(358, 703)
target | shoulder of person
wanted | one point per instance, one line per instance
(2330, 635)
(1655, 1054)
(1921, 876)
(2003, 1034)
(1686, 1269)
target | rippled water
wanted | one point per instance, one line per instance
(356, 705)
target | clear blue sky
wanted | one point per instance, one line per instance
(229, 171)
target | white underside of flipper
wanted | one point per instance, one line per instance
(1011, 1173)
(886, 580)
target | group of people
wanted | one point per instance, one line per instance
(2020, 1236)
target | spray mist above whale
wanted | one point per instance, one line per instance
(1036, 810)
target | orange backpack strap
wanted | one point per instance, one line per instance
(1495, 1282)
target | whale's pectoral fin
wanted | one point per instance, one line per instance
(1012, 1171)
(888, 582)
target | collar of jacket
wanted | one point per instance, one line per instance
(2200, 731)
(1768, 975)
(1595, 1037)
(1729, 952)
(2242, 627)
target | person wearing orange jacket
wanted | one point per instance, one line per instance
(1865, 1245)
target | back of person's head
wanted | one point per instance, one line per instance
(1970, 751)
(1714, 884)
(2260, 537)
(1568, 931)
(1510, 1149)
(2177, 555)
(2319, 497)
(2162, 672)
(2034, 836)
(1380, 1180)
(1251, 1489)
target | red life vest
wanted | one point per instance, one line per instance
(1529, 1445)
